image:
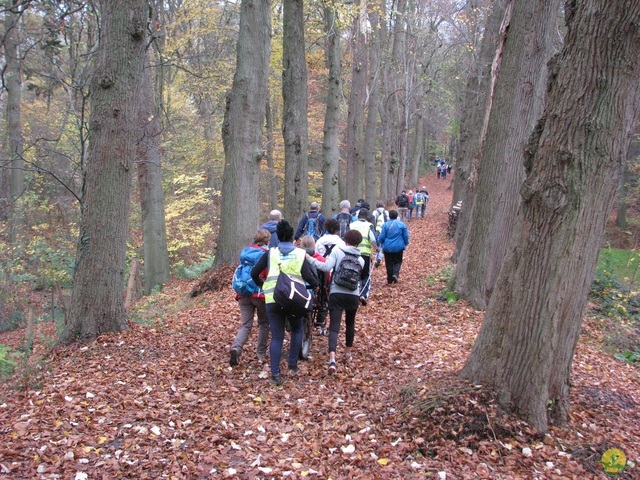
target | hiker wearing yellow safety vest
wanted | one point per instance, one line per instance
(291, 260)
(366, 247)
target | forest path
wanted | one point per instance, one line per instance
(160, 401)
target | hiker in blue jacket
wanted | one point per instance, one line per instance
(394, 239)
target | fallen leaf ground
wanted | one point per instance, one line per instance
(160, 401)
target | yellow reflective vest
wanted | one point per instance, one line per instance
(290, 263)
(365, 229)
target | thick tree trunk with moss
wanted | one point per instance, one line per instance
(294, 127)
(528, 338)
(516, 105)
(242, 132)
(331, 143)
(97, 298)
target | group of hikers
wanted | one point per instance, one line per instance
(337, 254)
(407, 202)
(442, 168)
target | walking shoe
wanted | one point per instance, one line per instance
(394, 279)
(347, 357)
(234, 358)
(276, 380)
(377, 264)
(262, 357)
(332, 368)
(293, 370)
(363, 301)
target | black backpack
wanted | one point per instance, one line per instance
(344, 219)
(403, 200)
(347, 273)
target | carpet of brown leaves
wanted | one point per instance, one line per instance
(160, 401)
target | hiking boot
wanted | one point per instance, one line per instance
(363, 301)
(276, 380)
(234, 358)
(262, 357)
(332, 368)
(377, 264)
(394, 279)
(293, 370)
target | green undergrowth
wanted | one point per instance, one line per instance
(615, 302)
(154, 309)
(191, 272)
(447, 276)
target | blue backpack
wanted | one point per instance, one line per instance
(312, 227)
(242, 283)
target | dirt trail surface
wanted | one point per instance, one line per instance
(160, 400)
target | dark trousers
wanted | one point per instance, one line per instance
(277, 317)
(393, 262)
(338, 303)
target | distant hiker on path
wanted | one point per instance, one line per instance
(311, 223)
(344, 217)
(402, 201)
(274, 217)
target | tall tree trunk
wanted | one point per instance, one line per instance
(623, 191)
(371, 169)
(388, 156)
(206, 111)
(355, 115)
(97, 298)
(418, 151)
(294, 127)
(518, 103)
(149, 163)
(242, 131)
(528, 338)
(398, 93)
(13, 83)
(331, 142)
(272, 181)
(387, 153)
(418, 141)
(476, 108)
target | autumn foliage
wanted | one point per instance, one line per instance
(160, 400)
